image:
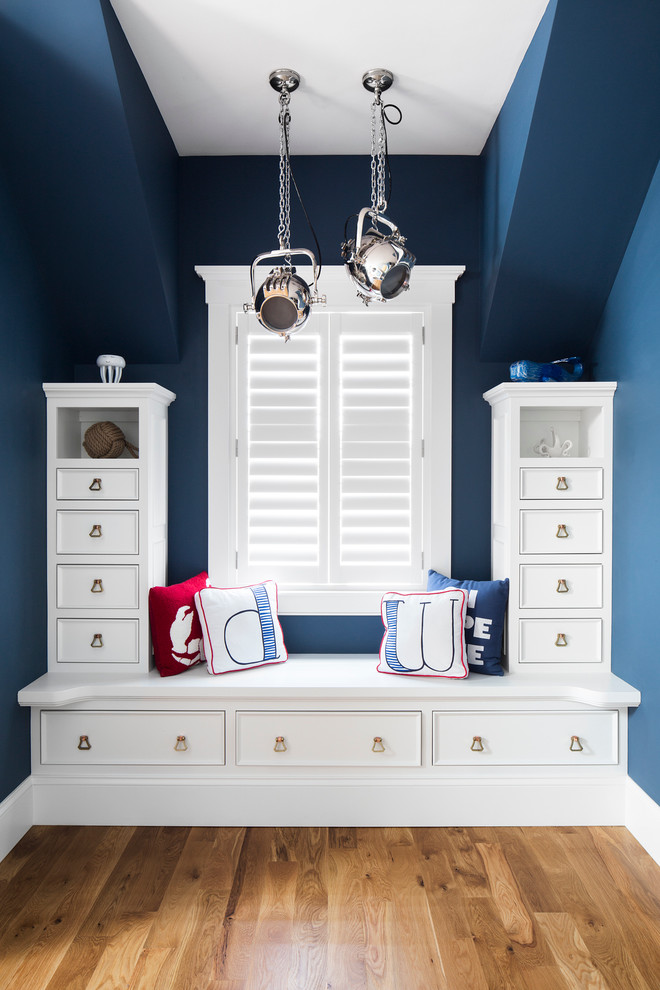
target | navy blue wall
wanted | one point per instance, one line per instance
(31, 354)
(228, 213)
(157, 164)
(92, 171)
(628, 351)
(590, 153)
(504, 154)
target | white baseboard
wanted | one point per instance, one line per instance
(16, 815)
(122, 801)
(62, 801)
(643, 819)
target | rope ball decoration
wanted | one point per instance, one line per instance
(107, 440)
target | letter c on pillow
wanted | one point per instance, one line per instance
(248, 630)
(242, 632)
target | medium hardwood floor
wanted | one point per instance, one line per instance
(329, 909)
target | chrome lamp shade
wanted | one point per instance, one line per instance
(378, 263)
(283, 301)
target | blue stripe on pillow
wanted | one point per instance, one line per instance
(391, 658)
(266, 619)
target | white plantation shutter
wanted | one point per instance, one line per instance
(280, 476)
(329, 453)
(376, 400)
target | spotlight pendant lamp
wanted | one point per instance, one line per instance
(377, 261)
(283, 301)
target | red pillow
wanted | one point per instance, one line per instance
(176, 633)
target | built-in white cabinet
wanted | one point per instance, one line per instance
(552, 521)
(328, 740)
(107, 525)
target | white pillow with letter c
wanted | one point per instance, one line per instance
(240, 627)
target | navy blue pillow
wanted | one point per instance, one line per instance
(484, 625)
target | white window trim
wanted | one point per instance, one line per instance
(433, 294)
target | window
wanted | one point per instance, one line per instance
(330, 456)
(329, 452)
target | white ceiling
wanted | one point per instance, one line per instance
(207, 63)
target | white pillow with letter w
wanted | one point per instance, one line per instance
(424, 634)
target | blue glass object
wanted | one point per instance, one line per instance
(563, 370)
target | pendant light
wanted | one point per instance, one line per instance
(377, 261)
(283, 301)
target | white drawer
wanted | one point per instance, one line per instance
(561, 585)
(97, 532)
(132, 738)
(561, 640)
(97, 640)
(560, 531)
(97, 586)
(525, 738)
(97, 485)
(561, 483)
(324, 739)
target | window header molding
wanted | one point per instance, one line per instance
(432, 284)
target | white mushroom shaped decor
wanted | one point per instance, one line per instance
(110, 367)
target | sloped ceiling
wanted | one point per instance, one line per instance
(207, 63)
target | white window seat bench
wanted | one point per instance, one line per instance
(328, 740)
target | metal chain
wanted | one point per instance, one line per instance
(374, 178)
(382, 202)
(378, 139)
(284, 228)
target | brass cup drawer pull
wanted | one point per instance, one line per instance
(97, 641)
(562, 587)
(95, 485)
(181, 745)
(378, 745)
(561, 485)
(562, 532)
(95, 531)
(561, 640)
(280, 745)
(477, 744)
(84, 743)
(576, 745)
(97, 586)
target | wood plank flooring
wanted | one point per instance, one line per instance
(329, 909)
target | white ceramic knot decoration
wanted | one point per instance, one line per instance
(553, 447)
(110, 367)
